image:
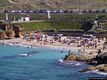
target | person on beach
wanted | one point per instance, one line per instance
(69, 52)
(99, 51)
(65, 57)
(62, 50)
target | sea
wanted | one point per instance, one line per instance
(41, 64)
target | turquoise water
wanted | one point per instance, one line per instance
(43, 65)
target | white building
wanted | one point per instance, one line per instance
(24, 19)
(27, 18)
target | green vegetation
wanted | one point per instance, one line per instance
(59, 21)
(49, 25)
(104, 26)
(35, 26)
(2, 16)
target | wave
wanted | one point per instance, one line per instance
(19, 45)
(97, 72)
(31, 53)
(75, 63)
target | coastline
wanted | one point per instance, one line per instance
(33, 44)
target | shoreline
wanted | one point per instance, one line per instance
(57, 46)
(31, 44)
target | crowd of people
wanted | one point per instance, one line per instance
(83, 43)
(87, 41)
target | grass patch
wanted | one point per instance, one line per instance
(49, 25)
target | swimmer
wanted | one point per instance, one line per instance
(62, 50)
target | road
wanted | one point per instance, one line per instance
(27, 21)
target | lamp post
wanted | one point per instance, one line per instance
(6, 15)
(49, 15)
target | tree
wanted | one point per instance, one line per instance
(87, 25)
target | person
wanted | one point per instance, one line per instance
(69, 52)
(79, 51)
(99, 51)
(104, 47)
(62, 50)
(83, 50)
(66, 56)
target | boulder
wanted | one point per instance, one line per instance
(101, 58)
(70, 58)
(88, 69)
(101, 68)
(73, 57)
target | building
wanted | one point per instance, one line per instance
(24, 19)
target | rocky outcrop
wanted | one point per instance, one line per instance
(88, 69)
(84, 58)
(101, 58)
(101, 68)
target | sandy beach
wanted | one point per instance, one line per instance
(56, 45)
(20, 41)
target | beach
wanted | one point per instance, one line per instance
(56, 44)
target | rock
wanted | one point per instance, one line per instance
(90, 59)
(101, 58)
(73, 57)
(101, 68)
(88, 69)
(69, 57)
(84, 70)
